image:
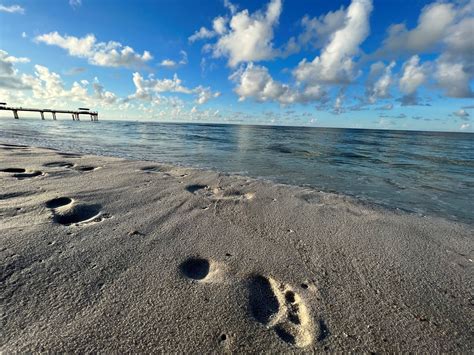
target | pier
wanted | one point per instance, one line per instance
(94, 115)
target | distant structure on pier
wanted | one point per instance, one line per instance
(94, 115)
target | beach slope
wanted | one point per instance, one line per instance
(105, 254)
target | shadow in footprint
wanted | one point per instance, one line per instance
(78, 214)
(58, 164)
(263, 302)
(58, 202)
(28, 175)
(195, 188)
(195, 268)
(13, 170)
(152, 169)
(85, 168)
(21, 173)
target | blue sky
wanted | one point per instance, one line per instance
(360, 63)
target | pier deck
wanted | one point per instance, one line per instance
(94, 115)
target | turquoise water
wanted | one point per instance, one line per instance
(429, 173)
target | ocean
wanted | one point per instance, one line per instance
(428, 173)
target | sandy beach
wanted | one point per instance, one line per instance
(102, 254)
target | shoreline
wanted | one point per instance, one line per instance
(364, 201)
(108, 254)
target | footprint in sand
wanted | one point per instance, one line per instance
(218, 193)
(195, 268)
(21, 173)
(200, 269)
(59, 164)
(152, 169)
(280, 308)
(67, 212)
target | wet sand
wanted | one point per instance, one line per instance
(105, 254)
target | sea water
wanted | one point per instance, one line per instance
(430, 173)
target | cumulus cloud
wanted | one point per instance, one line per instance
(12, 9)
(256, 83)
(48, 86)
(245, 37)
(442, 27)
(379, 81)
(145, 89)
(413, 76)
(107, 54)
(336, 64)
(45, 86)
(465, 126)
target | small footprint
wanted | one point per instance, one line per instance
(280, 308)
(195, 268)
(196, 187)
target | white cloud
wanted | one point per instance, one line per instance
(146, 89)
(335, 64)
(9, 76)
(453, 78)
(379, 81)
(245, 37)
(205, 94)
(229, 5)
(255, 82)
(317, 31)
(465, 126)
(46, 87)
(13, 9)
(203, 33)
(250, 36)
(169, 63)
(445, 27)
(461, 114)
(108, 54)
(24, 35)
(414, 75)
(432, 25)
(75, 3)
(219, 25)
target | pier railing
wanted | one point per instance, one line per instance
(94, 115)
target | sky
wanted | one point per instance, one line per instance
(391, 64)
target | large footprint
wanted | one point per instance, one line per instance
(278, 307)
(67, 212)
